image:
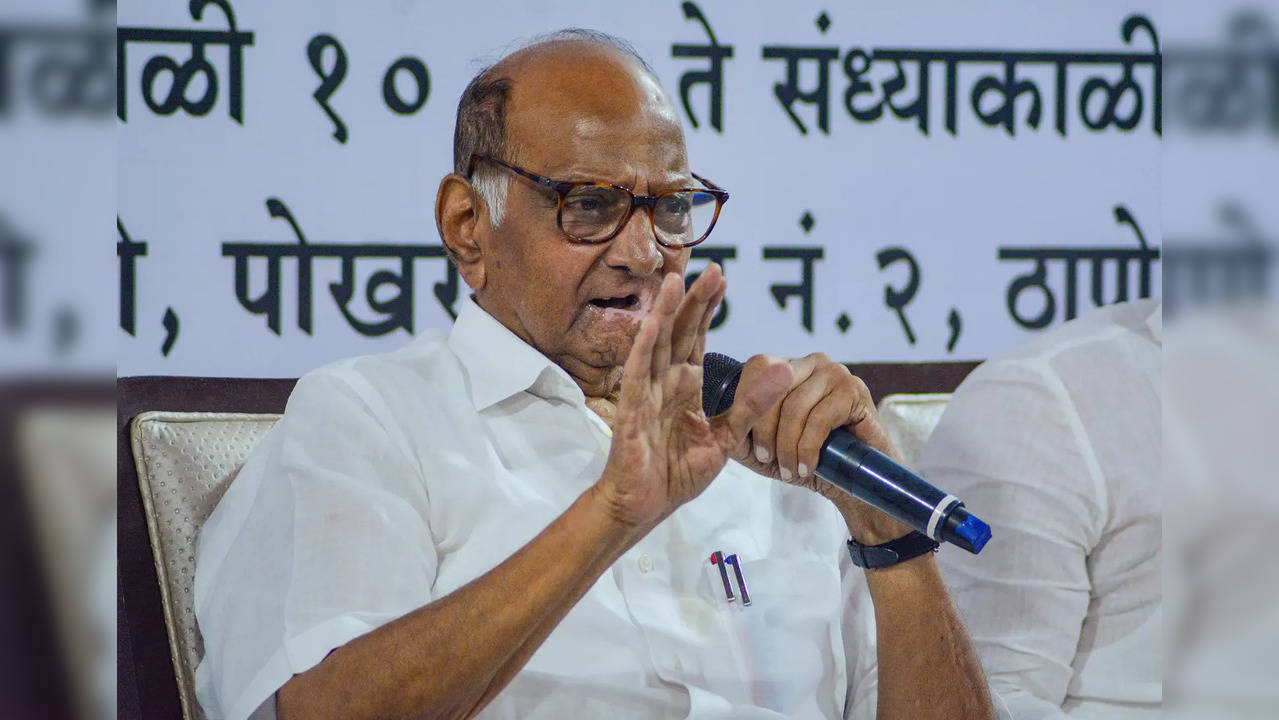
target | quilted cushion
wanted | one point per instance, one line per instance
(909, 421)
(185, 462)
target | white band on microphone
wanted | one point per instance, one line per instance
(939, 512)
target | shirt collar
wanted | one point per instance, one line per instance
(499, 364)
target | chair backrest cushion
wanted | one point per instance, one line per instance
(909, 420)
(185, 461)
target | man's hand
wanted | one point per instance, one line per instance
(665, 450)
(784, 443)
(927, 667)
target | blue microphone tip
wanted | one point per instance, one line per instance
(976, 532)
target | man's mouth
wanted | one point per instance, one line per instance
(621, 302)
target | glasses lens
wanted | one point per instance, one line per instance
(684, 217)
(592, 212)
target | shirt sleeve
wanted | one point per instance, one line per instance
(1012, 447)
(321, 538)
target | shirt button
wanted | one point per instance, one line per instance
(645, 563)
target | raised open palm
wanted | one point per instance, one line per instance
(665, 450)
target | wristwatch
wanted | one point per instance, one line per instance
(874, 557)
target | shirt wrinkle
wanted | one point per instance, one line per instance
(1079, 435)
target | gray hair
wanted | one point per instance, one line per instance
(481, 117)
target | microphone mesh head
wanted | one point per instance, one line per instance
(720, 374)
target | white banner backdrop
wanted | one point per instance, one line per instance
(910, 181)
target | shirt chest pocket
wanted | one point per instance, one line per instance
(787, 641)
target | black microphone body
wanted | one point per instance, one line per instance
(864, 472)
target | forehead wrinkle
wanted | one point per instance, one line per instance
(643, 149)
(652, 151)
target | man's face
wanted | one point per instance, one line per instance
(581, 304)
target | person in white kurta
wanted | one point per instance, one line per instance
(1057, 446)
(515, 519)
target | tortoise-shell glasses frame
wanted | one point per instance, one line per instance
(563, 188)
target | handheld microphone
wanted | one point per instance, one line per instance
(864, 472)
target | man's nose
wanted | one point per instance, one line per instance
(635, 248)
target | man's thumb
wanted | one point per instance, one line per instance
(751, 402)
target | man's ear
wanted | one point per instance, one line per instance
(460, 219)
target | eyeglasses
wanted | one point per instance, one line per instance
(591, 212)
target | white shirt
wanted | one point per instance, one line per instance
(394, 479)
(1220, 456)
(1057, 446)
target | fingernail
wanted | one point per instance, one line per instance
(761, 454)
(803, 470)
(785, 474)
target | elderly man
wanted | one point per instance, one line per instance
(515, 518)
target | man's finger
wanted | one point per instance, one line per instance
(751, 403)
(663, 313)
(637, 371)
(829, 414)
(764, 432)
(689, 318)
(793, 418)
(698, 355)
(864, 421)
(763, 436)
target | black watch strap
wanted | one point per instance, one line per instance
(873, 557)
